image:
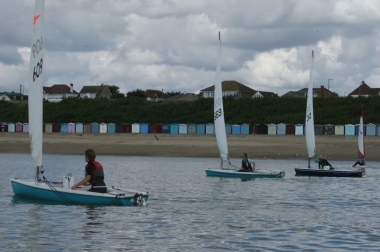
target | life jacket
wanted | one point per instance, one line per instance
(97, 172)
(247, 164)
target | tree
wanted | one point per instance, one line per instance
(115, 91)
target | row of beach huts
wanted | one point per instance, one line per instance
(175, 128)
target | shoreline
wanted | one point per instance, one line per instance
(192, 145)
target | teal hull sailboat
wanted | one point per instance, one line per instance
(221, 137)
(40, 188)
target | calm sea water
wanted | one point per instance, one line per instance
(188, 211)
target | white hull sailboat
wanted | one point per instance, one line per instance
(221, 137)
(40, 188)
(310, 142)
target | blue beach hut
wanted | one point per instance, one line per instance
(79, 127)
(281, 129)
(244, 129)
(349, 130)
(201, 129)
(11, 127)
(299, 129)
(94, 127)
(64, 128)
(25, 127)
(228, 129)
(144, 128)
(174, 127)
(370, 129)
(235, 129)
(166, 128)
(111, 128)
(210, 129)
(182, 128)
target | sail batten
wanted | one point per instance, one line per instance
(220, 129)
(309, 121)
(35, 80)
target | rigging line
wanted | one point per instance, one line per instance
(58, 193)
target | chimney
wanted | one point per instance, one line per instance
(71, 87)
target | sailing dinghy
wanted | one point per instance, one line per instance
(41, 188)
(310, 142)
(221, 138)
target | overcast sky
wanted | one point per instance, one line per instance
(172, 44)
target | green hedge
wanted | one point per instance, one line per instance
(342, 110)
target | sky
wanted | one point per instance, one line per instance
(172, 44)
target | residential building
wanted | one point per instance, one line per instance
(155, 95)
(230, 88)
(57, 92)
(261, 94)
(92, 92)
(317, 92)
(14, 97)
(364, 90)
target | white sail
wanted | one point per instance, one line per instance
(36, 83)
(309, 123)
(361, 150)
(220, 128)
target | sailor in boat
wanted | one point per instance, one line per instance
(247, 165)
(360, 162)
(323, 163)
(94, 175)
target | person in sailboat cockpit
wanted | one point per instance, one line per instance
(94, 175)
(360, 162)
(247, 165)
(322, 162)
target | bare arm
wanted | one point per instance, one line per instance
(84, 181)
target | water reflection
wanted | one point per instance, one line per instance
(95, 215)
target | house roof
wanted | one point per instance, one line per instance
(155, 94)
(93, 89)
(232, 86)
(290, 94)
(364, 89)
(59, 89)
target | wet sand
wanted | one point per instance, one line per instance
(166, 145)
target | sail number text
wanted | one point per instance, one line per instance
(308, 117)
(217, 114)
(37, 47)
(37, 70)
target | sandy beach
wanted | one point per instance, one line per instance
(166, 145)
